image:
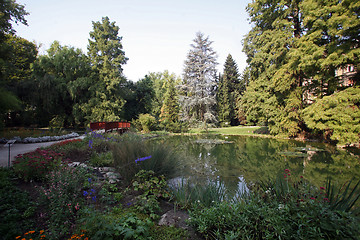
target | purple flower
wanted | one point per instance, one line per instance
(142, 159)
(93, 198)
(90, 143)
(85, 193)
(89, 180)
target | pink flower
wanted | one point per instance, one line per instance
(312, 198)
(287, 170)
(322, 188)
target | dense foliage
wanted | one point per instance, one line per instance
(293, 50)
(337, 116)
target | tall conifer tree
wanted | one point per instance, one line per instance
(199, 82)
(170, 108)
(229, 90)
(107, 57)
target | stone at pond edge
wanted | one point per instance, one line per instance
(174, 218)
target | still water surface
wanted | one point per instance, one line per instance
(242, 160)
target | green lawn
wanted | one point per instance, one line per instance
(237, 130)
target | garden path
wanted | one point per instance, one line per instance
(20, 148)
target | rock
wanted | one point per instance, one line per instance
(112, 175)
(106, 169)
(174, 218)
(74, 164)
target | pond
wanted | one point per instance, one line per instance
(239, 161)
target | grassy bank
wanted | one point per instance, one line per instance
(236, 130)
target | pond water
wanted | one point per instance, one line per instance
(238, 161)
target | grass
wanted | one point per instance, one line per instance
(237, 130)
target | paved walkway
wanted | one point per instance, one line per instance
(20, 148)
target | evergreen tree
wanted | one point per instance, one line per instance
(230, 88)
(198, 88)
(224, 101)
(160, 83)
(294, 49)
(107, 57)
(274, 88)
(170, 109)
(336, 117)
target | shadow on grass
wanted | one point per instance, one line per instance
(262, 130)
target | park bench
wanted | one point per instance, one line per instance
(121, 127)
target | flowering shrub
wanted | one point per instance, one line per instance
(63, 198)
(35, 165)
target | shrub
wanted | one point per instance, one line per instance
(63, 197)
(107, 227)
(148, 122)
(101, 159)
(16, 209)
(151, 189)
(35, 165)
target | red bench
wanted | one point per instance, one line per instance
(121, 127)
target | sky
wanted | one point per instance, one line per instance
(156, 35)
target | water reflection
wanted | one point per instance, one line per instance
(250, 159)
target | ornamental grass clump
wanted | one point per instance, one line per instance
(37, 164)
(133, 154)
(187, 193)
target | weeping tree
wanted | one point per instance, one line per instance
(198, 88)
